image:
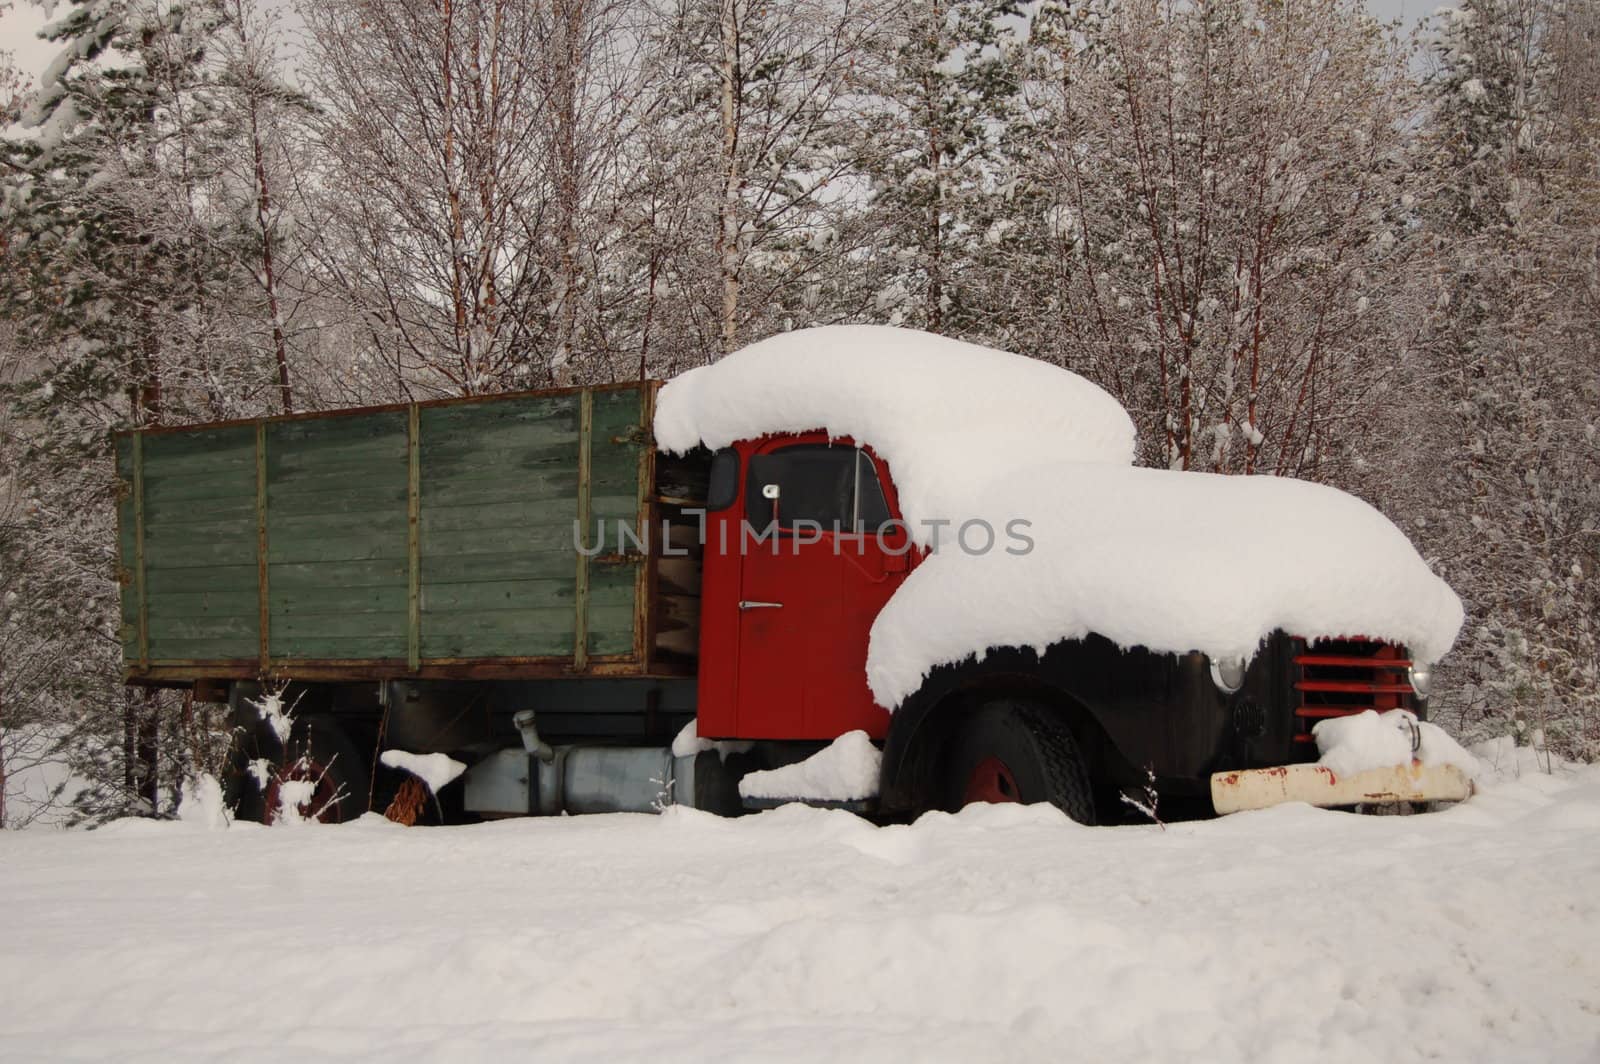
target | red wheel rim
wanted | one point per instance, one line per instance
(323, 798)
(991, 781)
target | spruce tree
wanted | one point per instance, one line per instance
(943, 85)
(118, 287)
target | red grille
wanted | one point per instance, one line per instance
(1340, 677)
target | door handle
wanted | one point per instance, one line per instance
(747, 605)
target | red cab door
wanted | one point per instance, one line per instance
(820, 556)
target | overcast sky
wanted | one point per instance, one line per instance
(19, 28)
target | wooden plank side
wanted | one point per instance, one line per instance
(199, 532)
(194, 604)
(611, 609)
(499, 633)
(297, 577)
(196, 492)
(524, 425)
(200, 580)
(496, 486)
(207, 638)
(461, 521)
(339, 497)
(580, 610)
(547, 485)
(413, 538)
(524, 539)
(555, 591)
(289, 602)
(221, 451)
(336, 540)
(198, 554)
(190, 513)
(176, 534)
(449, 567)
(616, 617)
(496, 492)
(296, 628)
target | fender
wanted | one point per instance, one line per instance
(1099, 687)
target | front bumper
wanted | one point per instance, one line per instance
(1233, 792)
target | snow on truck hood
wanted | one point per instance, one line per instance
(1171, 561)
(1167, 560)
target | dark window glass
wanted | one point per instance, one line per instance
(825, 483)
(724, 486)
(872, 509)
(816, 482)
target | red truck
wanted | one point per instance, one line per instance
(627, 596)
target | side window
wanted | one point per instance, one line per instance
(824, 483)
(816, 482)
(872, 509)
(724, 482)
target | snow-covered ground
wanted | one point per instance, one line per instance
(1005, 933)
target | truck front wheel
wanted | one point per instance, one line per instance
(1015, 751)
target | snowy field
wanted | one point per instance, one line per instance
(1005, 933)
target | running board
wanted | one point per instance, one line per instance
(854, 805)
(1260, 788)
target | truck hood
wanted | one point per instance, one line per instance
(1170, 561)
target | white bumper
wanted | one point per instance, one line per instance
(1232, 792)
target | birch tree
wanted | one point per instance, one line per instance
(260, 176)
(1218, 200)
(768, 89)
(435, 113)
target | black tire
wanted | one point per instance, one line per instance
(333, 761)
(1016, 751)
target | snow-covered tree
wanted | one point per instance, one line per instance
(939, 95)
(122, 288)
(461, 124)
(760, 107)
(258, 178)
(1215, 198)
(1513, 361)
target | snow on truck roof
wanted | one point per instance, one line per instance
(944, 414)
(1171, 561)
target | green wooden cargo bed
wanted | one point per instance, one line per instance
(429, 539)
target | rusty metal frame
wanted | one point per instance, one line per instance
(141, 598)
(644, 577)
(263, 589)
(159, 673)
(413, 538)
(381, 408)
(580, 589)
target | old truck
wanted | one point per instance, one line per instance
(537, 586)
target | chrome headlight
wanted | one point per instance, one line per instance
(1421, 678)
(1228, 674)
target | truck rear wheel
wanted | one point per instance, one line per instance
(320, 754)
(1015, 751)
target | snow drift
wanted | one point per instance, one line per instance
(845, 770)
(1367, 740)
(1171, 561)
(1006, 932)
